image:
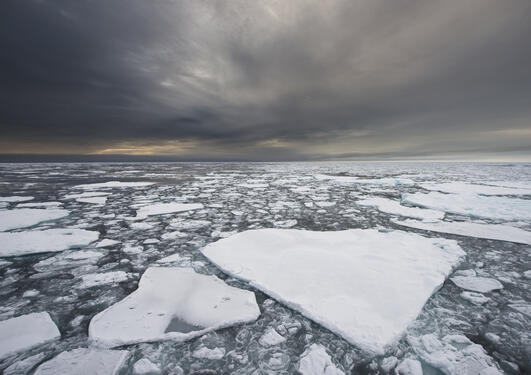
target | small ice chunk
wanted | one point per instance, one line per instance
(395, 208)
(165, 208)
(145, 367)
(389, 363)
(316, 361)
(86, 194)
(107, 243)
(522, 307)
(477, 284)
(206, 353)
(113, 185)
(97, 279)
(25, 332)
(141, 226)
(409, 366)
(92, 200)
(42, 241)
(24, 366)
(490, 231)
(313, 272)
(150, 241)
(271, 337)
(85, 361)
(165, 294)
(475, 298)
(27, 217)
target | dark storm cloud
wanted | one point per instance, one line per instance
(269, 79)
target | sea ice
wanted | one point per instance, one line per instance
(173, 304)
(316, 361)
(206, 353)
(391, 181)
(165, 208)
(477, 283)
(24, 366)
(394, 273)
(27, 217)
(25, 332)
(15, 198)
(42, 241)
(145, 367)
(112, 185)
(92, 200)
(97, 279)
(395, 208)
(84, 361)
(271, 337)
(409, 366)
(463, 187)
(503, 208)
(490, 231)
(106, 242)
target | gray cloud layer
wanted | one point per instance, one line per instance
(266, 79)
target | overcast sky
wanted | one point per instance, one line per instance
(267, 79)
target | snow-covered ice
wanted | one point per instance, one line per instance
(84, 361)
(165, 208)
(316, 361)
(477, 283)
(395, 208)
(313, 272)
(25, 332)
(198, 302)
(113, 185)
(98, 279)
(464, 187)
(15, 198)
(27, 217)
(503, 208)
(41, 241)
(271, 337)
(490, 231)
(92, 200)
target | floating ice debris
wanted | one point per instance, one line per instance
(206, 353)
(454, 355)
(42, 241)
(87, 194)
(522, 307)
(106, 242)
(490, 231)
(141, 226)
(463, 187)
(27, 217)
(24, 366)
(503, 208)
(165, 208)
(271, 337)
(16, 198)
(145, 367)
(313, 273)
(187, 224)
(476, 283)
(25, 332)
(92, 200)
(150, 241)
(395, 208)
(376, 181)
(84, 361)
(39, 205)
(173, 304)
(68, 260)
(316, 361)
(475, 298)
(97, 279)
(113, 184)
(409, 366)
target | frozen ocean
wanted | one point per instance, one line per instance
(265, 268)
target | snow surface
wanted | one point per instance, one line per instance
(395, 208)
(112, 185)
(391, 181)
(316, 361)
(84, 361)
(165, 208)
(166, 293)
(25, 332)
(98, 279)
(502, 208)
(477, 283)
(27, 217)
(42, 241)
(490, 231)
(463, 187)
(394, 273)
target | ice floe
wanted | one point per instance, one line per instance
(316, 361)
(313, 272)
(92, 200)
(271, 337)
(42, 241)
(490, 231)
(84, 361)
(16, 198)
(98, 279)
(463, 187)
(173, 304)
(27, 217)
(113, 185)
(391, 181)
(25, 332)
(165, 208)
(395, 208)
(503, 208)
(477, 283)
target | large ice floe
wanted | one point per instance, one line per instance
(165, 208)
(42, 241)
(25, 332)
(27, 217)
(490, 231)
(85, 361)
(390, 181)
(464, 187)
(172, 304)
(366, 286)
(395, 208)
(114, 185)
(503, 208)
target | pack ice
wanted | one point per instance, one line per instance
(395, 208)
(84, 361)
(27, 217)
(25, 332)
(172, 304)
(364, 285)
